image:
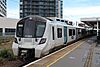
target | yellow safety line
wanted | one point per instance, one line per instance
(64, 55)
(88, 61)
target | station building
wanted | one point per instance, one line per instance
(44, 8)
(7, 26)
(3, 8)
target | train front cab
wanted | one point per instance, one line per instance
(30, 37)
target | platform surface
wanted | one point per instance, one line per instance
(76, 58)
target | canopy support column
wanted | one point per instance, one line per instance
(98, 33)
(97, 28)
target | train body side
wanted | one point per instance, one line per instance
(55, 34)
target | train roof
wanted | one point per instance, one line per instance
(61, 21)
(33, 17)
(36, 16)
(54, 21)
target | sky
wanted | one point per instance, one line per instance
(72, 9)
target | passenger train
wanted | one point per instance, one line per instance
(36, 36)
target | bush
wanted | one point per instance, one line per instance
(6, 39)
(1, 59)
(7, 54)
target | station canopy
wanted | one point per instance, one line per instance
(91, 21)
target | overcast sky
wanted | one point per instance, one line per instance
(72, 9)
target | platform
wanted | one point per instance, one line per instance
(78, 57)
(96, 57)
(80, 54)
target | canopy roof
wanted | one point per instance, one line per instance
(91, 21)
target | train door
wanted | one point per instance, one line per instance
(71, 34)
(53, 38)
(65, 35)
(59, 35)
(74, 33)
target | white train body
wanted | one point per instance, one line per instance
(36, 36)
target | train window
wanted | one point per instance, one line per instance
(40, 28)
(57, 19)
(79, 31)
(53, 33)
(83, 31)
(70, 32)
(62, 20)
(66, 22)
(59, 32)
(73, 31)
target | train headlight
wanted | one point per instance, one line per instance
(16, 40)
(43, 40)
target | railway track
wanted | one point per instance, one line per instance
(48, 60)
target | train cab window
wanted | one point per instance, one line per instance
(31, 28)
(73, 31)
(70, 32)
(53, 33)
(40, 28)
(28, 28)
(59, 32)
